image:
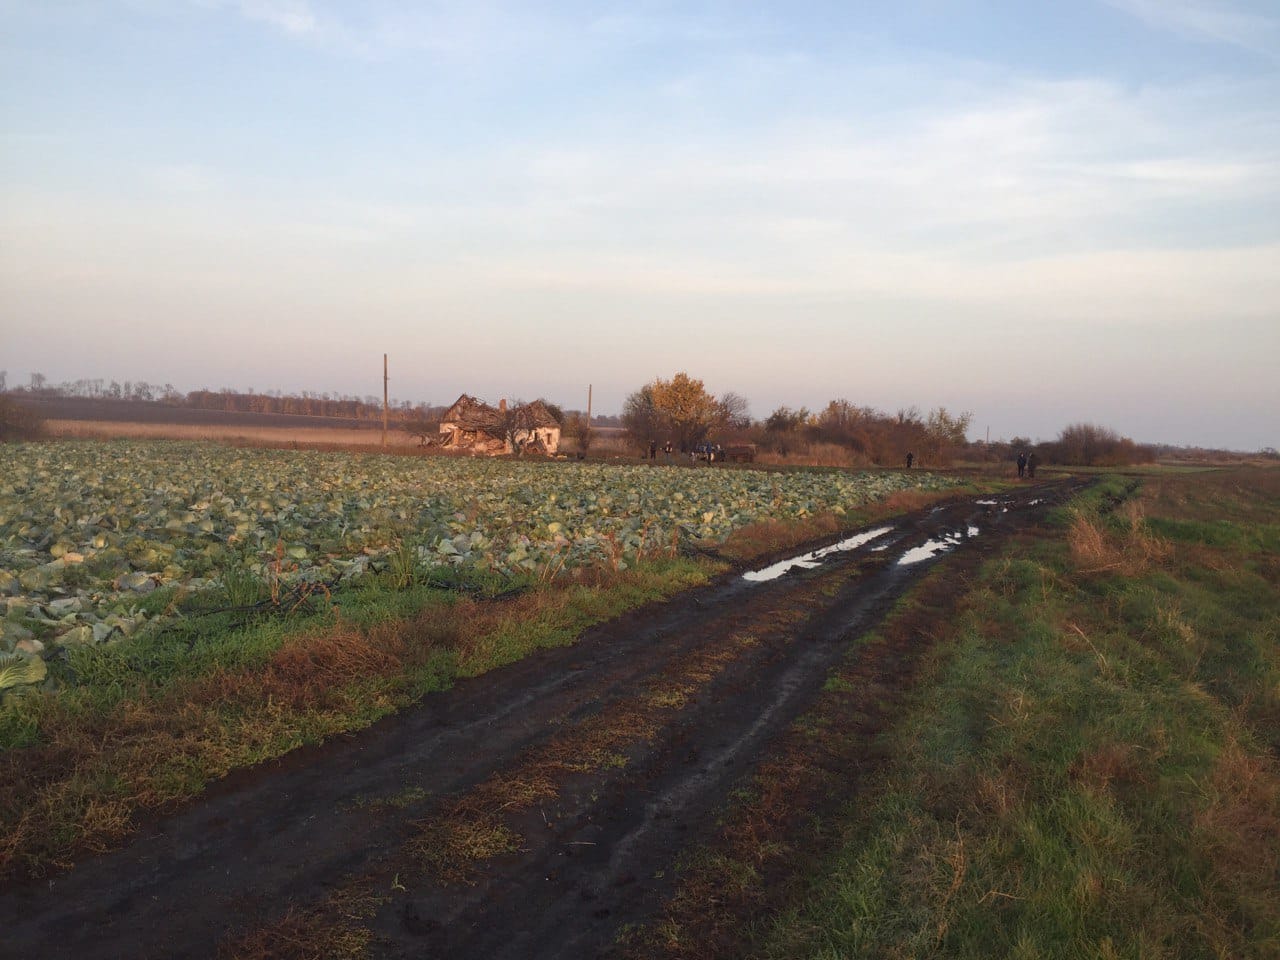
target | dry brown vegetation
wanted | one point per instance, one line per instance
(341, 437)
(1098, 546)
(18, 423)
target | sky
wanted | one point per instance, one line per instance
(1039, 212)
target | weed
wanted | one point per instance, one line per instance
(241, 587)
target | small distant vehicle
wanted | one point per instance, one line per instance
(740, 452)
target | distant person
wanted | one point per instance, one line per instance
(911, 458)
(666, 449)
(1032, 462)
(1022, 464)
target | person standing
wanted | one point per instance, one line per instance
(911, 458)
(667, 450)
(1032, 462)
(1022, 464)
(653, 449)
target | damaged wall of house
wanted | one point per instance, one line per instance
(474, 425)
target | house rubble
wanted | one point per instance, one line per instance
(474, 425)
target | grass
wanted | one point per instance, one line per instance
(1088, 766)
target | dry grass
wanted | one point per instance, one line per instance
(228, 433)
(331, 932)
(1108, 766)
(1124, 545)
(1240, 826)
(815, 455)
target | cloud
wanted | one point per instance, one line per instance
(294, 17)
(1209, 20)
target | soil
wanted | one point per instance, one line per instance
(598, 851)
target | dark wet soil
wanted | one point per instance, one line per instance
(596, 860)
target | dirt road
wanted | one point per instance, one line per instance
(591, 768)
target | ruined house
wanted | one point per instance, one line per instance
(472, 424)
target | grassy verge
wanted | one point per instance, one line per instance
(150, 723)
(1087, 766)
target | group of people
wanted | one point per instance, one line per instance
(668, 448)
(1027, 464)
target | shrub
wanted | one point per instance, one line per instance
(18, 422)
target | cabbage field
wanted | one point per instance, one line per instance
(89, 529)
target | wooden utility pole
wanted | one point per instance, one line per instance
(384, 399)
(588, 406)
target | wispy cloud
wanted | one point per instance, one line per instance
(292, 17)
(1209, 20)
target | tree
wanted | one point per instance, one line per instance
(944, 433)
(689, 411)
(1093, 445)
(576, 426)
(419, 424)
(783, 427)
(640, 416)
(735, 412)
(943, 428)
(37, 382)
(3, 374)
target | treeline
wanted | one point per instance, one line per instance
(683, 411)
(307, 403)
(1088, 444)
(680, 410)
(406, 413)
(870, 435)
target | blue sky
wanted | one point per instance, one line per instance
(1039, 212)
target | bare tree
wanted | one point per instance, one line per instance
(641, 417)
(734, 412)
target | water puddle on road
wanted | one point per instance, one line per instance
(932, 548)
(808, 561)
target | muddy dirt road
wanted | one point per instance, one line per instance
(579, 776)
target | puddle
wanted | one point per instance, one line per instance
(808, 561)
(932, 548)
(1032, 503)
(986, 503)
